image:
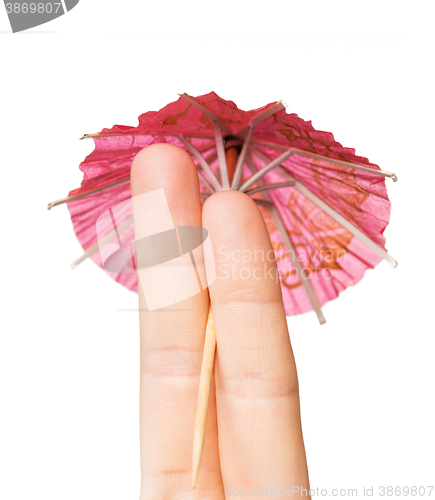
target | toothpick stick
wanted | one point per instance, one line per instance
(203, 396)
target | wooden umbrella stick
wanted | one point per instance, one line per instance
(231, 156)
(203, 396)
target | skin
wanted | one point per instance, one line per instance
(254, 436)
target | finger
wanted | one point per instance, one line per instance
(171, 343)
(260, 436)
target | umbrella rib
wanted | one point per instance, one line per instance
(103, 241)
(288, 243)
(67, 199)
(304, 280)
(266, 187)
(278, 106)
(209, 161)
(242, 157)
(177, 136)
(217, 129)
(331, 212)
(160, 134)
(205, 182)
(342, 163)
(260, 173)
(247, 142)
(340, 219)
(203, 163)
(221, 154)
(207, 112)
(263, 203)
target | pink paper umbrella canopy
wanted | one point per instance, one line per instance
(325, 208)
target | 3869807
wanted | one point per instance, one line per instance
(33, 8)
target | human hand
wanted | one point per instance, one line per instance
(253, 436)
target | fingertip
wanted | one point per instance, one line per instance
(232, 214)
(161, 165)
(234, 220)
(244, 257)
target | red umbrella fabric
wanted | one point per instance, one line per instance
(325, 208)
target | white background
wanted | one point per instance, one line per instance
(69, 359)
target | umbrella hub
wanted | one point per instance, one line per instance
(233, 146)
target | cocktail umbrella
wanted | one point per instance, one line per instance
(325, 208)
